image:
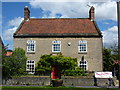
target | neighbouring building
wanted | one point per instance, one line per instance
(9, 53)
(74, 37)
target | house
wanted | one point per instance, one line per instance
(74, 37)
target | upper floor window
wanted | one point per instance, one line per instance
(82, 46)
(56, 46)
(30, 66)
(31, 45)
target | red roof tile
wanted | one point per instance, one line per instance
(58, 26)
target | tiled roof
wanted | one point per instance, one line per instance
(58, 26)
(9, 53)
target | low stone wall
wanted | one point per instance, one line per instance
(29, 80)
(45, 80)
(83, 81)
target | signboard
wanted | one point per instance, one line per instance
(103, 75)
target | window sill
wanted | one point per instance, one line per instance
(30, 52)
(29, 72)
(55, 53)
(82, 52)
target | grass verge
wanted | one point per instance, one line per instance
(52, 88)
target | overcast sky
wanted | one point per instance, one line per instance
(105, 15)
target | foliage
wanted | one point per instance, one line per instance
(108, 59)
(75, 72)
(5, 67)
(66, 64)
(14, 64)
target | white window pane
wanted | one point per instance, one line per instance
(83, 41)
(57, 42)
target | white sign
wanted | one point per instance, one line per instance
(103, 75)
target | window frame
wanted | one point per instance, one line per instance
(56, 42)
(31, 42)
(79, 47)
(84, 64)
(28, 68)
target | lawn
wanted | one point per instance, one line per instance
(52, 88)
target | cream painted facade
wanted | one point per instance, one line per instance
(44, 46)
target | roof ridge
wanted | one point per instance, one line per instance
(55, 18)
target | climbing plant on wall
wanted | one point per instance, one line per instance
(67, 65)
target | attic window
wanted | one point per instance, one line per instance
(82, 46)
(31, 45)
(56, 46)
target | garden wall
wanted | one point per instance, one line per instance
(45, 80)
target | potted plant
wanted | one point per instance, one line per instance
(57, 82)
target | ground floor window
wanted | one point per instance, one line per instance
(83, 64)
(30, 67)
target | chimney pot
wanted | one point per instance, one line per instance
(26, 6)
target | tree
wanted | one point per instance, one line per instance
(14, 64)
(65, 64)
(108, 59)
(5, 67)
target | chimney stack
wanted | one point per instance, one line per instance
(91, 13)
(26, 13)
